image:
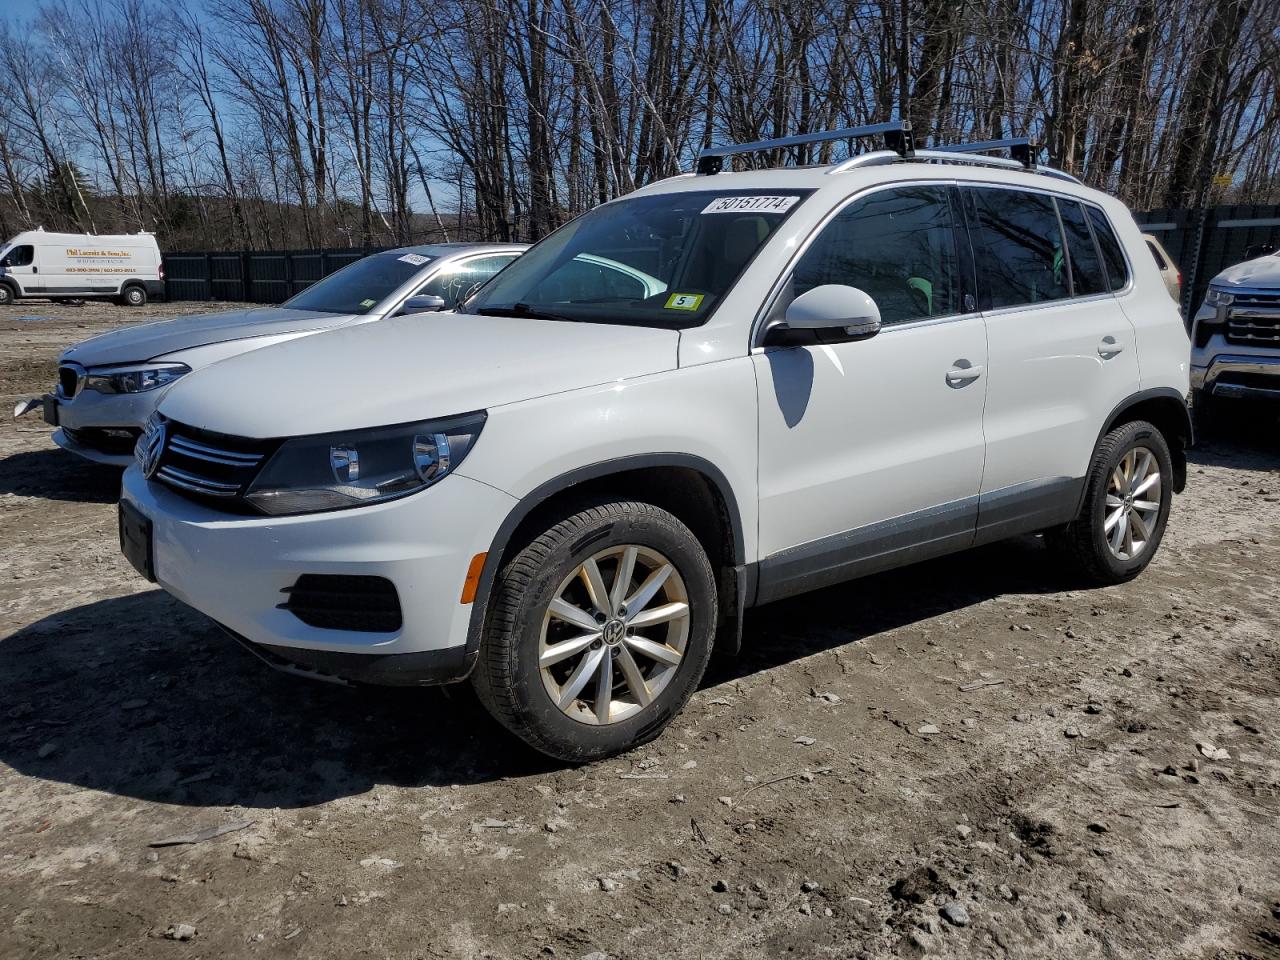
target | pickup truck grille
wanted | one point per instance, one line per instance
(1254, 318)
(210, 466)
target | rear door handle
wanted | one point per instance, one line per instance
(958, 376)
(1109, 347)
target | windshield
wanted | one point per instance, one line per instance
(663, 260)
(360, 286)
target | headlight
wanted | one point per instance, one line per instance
(336, 470)
(135, 379)
(1217, 297)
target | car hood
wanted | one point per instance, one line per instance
(410, 368)
(1259, 272)
(147, 341)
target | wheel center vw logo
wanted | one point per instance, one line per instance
(613, 631)
(150, 446)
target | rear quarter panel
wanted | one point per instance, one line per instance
(1164, 349)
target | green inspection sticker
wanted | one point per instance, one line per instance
(684, 301)
(367, 303)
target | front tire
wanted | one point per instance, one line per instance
(598, 631)
(7, 295)
(1128, 492)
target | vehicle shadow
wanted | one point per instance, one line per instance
(141, 696)
(58, 475)
(835, 616)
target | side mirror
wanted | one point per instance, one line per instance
(831, 313)
(1259, 250)
(422, 303)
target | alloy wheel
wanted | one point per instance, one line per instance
(614, 634)
(1133, 503)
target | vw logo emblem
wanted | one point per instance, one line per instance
(613, 631)
(150, 446)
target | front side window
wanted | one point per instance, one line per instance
(20, 256)
(455, 282)
(896, 245)
(664, 260)
(1112, 255)
(1025, 260)
(361, 286)
(1087, 276)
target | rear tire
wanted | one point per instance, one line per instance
(1128, 491)
(134, 296)
(559, 629)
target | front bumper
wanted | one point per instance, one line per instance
(238, 570)
(101, 427)
(1239, 376)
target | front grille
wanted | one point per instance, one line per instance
(1254, 318)
(116, 441)
(210, 466)
(69, 380)
(345, 602)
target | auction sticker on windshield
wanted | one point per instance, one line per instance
(750, 204)
(684, 301)
(414, 259)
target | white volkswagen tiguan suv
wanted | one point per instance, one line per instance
(571, 490)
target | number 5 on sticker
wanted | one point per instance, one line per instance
(684, 301)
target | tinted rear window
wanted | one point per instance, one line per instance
(1025, 258)
(1112, 255)
(1155, 254)
(1087, 275)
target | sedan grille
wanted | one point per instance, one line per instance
(210, 466)
(1254, 318)
(70, 378)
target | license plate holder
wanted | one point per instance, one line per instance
(136, 540)
(50, 409)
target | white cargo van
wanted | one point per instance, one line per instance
(63, 266)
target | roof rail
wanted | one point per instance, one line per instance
(1021, 149)
(897, 137)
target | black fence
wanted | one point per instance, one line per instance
(1201, 242)
(251, 277)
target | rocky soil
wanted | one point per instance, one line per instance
(968, 758)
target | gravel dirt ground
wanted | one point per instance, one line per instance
(968, 758)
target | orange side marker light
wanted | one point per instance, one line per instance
(472, 583)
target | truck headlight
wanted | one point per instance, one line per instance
(348, 469)
(1217, 297)
(138, 378)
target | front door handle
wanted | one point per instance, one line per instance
(963, 372)
(1109, 347)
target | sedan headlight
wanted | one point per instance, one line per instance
(138, 378)
(1217, 297)
(348, 469)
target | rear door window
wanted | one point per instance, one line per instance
(896, 245)
(1023, 257)
(1112, 255)
(1087, 276)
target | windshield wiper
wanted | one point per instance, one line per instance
(524, 311)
